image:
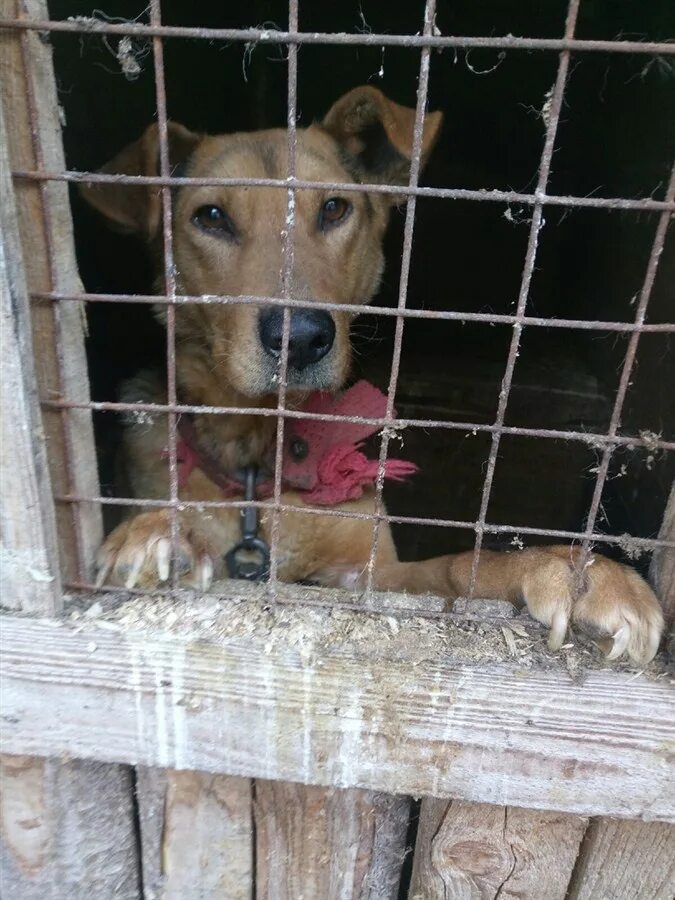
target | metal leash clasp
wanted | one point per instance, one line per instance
(249, 560)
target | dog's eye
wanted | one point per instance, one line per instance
(213, 219)
(334, 211)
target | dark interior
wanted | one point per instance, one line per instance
(616, 139)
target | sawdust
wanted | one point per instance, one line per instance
(419, 634)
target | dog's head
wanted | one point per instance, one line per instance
(229, 240)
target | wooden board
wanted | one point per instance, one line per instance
(626, 859)
(45, 230)
(196, 835)
(471, 851)
(662, 570)
(361, 713)
(29, 565)
(67, 830)
(324, 844)
(66, 827)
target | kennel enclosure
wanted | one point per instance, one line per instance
(235, 746)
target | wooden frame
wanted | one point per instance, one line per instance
(169, 757)
(44, 228)
(367, 714)
(48, 808)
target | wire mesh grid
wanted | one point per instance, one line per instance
(426, 40)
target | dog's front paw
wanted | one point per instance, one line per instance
(138, 554)
(608, 601)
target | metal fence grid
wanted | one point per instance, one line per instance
(426, 40)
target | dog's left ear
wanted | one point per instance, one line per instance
(377, 134)
(137, 209)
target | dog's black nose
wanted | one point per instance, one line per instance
(311, 336)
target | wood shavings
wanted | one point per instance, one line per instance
(510, 640)
(239, 611)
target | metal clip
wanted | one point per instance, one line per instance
(256, 568)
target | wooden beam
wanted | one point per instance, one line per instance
(472, 850)
(626, 859)
(662, 570)
(46, 235)
(325, 843)
(67, 830)
(196, 835)
(29, 562)
(380, 709)
(64, 825)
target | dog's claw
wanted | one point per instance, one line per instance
(620, 641)
(163, 552)
(143, 551)
(103, 571)
(205, 573)
(135, 570)
(559, 623)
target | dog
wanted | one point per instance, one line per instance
(228, 240)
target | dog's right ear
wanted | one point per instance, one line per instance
(376, 135)
(137, 209)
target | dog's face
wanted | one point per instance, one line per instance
(229, 240)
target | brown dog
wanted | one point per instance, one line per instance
(229, 240)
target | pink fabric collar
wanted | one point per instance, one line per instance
(322, 459)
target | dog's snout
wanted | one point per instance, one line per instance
(311, 336)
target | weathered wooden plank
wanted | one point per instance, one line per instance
(45, 231)
(67, 827)
(626, 859)
(634, 859)
(472, 851)
(29, 564)
(662, 570)
(383, 711)
(196, 835)
(67, 830)
(326, 844)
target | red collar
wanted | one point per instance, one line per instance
(322, 459)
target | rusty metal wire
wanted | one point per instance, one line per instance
(169, 276)
(490, 528)
(644, 204)
(628, 363)
(528, 269)
(648, 440)
(425, 42)
(406, 256)
(441, 314)
(92, 25)
(286, 287)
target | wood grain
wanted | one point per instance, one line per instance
(66, 827)
(662, 569)
(626, 859)
(325, 844)
(472, 851)
(196, 835)
(356, 716)
(29, 566)
(46, 236)
(66, 830)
